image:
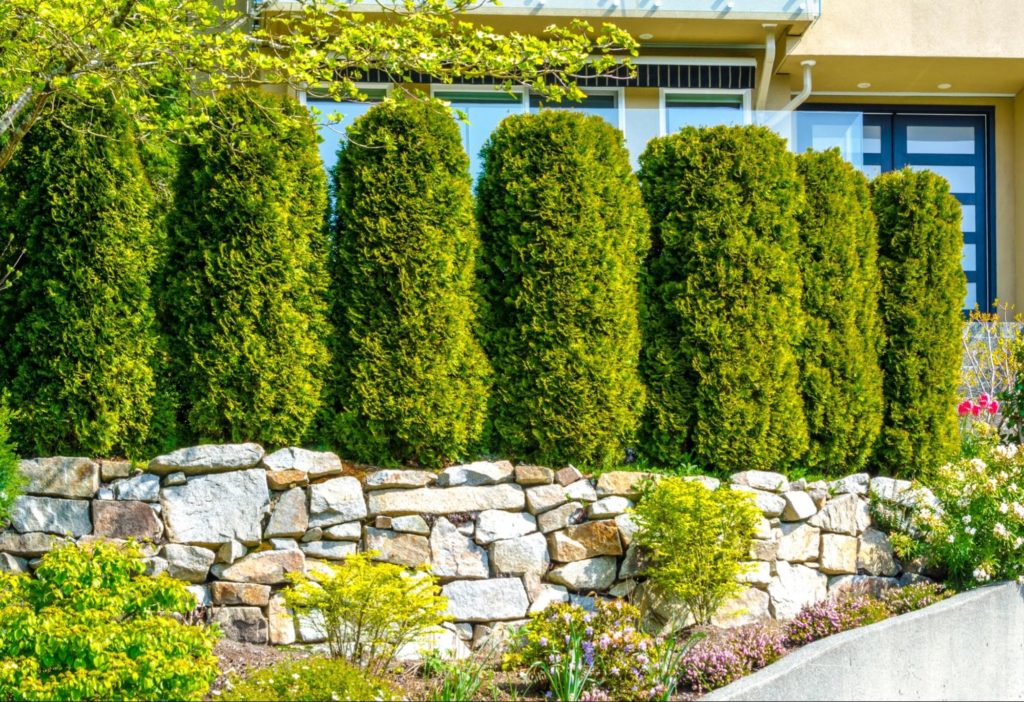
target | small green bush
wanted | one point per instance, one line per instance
(11, 479)
(842, 381)
(563, 234)
(243, 287)
(368, 610)
(309, 680)
(79, 333)
(411, 378)
(922, 295)
(722, 300)
(694, 541)
(91, 626)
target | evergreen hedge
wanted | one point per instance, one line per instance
(243, 288)
(722, 313)
(78, 324)
(922, 295)
(410, 376)
(563, 233)
(838, 256)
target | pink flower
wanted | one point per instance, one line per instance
(993, 407)
(975, 410)
(983, 400)
(964, 408)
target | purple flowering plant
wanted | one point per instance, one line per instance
(716, 661)
(835, 615)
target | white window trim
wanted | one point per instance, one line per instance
(523, 93)
(386, 87)
(663, 93)
(620, 102)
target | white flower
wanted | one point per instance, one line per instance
(981, 574)
(1018, 542)
(978, 465)
(950, 539)
(970, 531)
(295, 676)
(967, 519)
(1003, 508)
(1018, 509)
(1000, 531)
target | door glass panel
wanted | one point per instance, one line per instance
(872, 139)
(871, 171)
(972, 296)
(946, 139)
(968, 221)
(961, 178)
(970, 257)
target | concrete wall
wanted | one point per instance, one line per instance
(970, 647)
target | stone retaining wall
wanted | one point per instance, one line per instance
(505, 541)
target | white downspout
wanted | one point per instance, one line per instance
(776, 117)
(767, 67)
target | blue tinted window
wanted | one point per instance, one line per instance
(604, 105)
(696, 110)
(331, 133)
(483, 110)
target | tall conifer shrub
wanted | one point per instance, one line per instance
(564, 233)
(723, 300)
(243, 291)
(922, 295)
(78, 333)
(838, 256)
(410, 376)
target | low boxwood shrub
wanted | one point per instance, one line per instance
(410, 380)
(694, 541)
(922, 295)
(563, 233)
(243, 287)
(90, 625)
(722, 312)
(312, 680)
(368, 610)
(840, 374)
(78, 328)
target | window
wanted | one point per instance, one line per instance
(484, 109)
(700, 109)
(606, 105)
(333, 133)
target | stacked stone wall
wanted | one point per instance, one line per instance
(504, 540)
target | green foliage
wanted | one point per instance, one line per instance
(459, 679)
(722, 313)
(243, 287)
(368, 610)
(975, 529)
(91, 626)
(11, 479)
(921, 299)
(694, 541)
(842, 381)
(563, 235)
(312, 680)
(411, 377)
(79, 334)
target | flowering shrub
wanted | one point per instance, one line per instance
(900, 600)
(980, 425)
(834, 615)
(975, 530)
(717, 661)
(309, 679)
(623, 659)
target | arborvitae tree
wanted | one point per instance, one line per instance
(838, 256)
(244, 284)
(722, 313)
(922, 295)
(564, 233)
(78, 324)
(411, 378)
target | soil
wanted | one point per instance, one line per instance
(245, 658)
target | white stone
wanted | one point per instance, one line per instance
(394, 547)
(521, 555)
(453, 555)
(349, 531)
(547, 596)
(284, 545)
(104, 493)
(331, 550)
(749, 606)
(859, 585)
(53, 515)
(201, 593)
(856, 484)
(215, 509)
(336, 501)
(799, 506)
(590, 574)
(875, 556)
(561, 517)
(209, 458)
(705, 480)
(263, 567)
(758, 573)
(384, 479)
(230, 552)
(191, 563)
(793, 587)
(60, 476)
(12, 564)
(316, 464)
(290, 516)
(761, 480)
(178, 478)
(281, 621)
(144, 487)
(581, 490)
(770, 504)
(486, 600)
(479, 473)
(607, 507)
(627, 528)
(764, 529)
(845, 514)
(800, 542)
(838, 554)
(447, 500)
(493, 524)
(889, 488)
(545, 497)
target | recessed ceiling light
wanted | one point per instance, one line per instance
(645, 37)
(944, 86)
(863, 85)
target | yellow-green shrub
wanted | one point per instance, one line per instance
(368, 610)
(11, 479)
(309, 679)
(695, 540)
(90, 625)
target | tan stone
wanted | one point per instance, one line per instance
(447, 500)
(281, 621)
(125, 519)
(800, 542)
(845, 514)
(764, 550)
(545, 497)
(749, 606)
(622, 483)
(251, 594)
(59, 476)
(399, 479)
(534, 475)
(111, 470)
(560, 517)
(568, 475)
(400, 548)
(265, 567)
(838, 554)
(875, 556)
(757, 573)
(285, 479)
(588, 540)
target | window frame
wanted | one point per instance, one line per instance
(620, 103)
(663, 94)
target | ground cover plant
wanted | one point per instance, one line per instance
(564, 233)
(90, 625)
(310, 679)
